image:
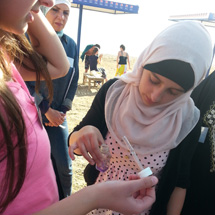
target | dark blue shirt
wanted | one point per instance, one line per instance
(63, 95)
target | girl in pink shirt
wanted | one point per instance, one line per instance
(27, 180)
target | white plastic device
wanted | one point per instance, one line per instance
(144, 172)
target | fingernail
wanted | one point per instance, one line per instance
(154, 179)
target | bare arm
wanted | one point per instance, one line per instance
(117, 60)
(176, 201)
(127, 197)
(46, 42)
(129, 67)
(100, 58)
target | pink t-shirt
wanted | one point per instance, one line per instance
(39, 189)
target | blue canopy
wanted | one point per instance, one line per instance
(101, 6)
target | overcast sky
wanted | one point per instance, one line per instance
(135, 31)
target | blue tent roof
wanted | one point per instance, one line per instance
(106, 6)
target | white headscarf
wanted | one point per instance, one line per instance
(163, 127)
(45, 10)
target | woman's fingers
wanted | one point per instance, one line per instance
(87, 140)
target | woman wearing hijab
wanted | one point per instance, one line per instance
(54, 114)
(151, 106)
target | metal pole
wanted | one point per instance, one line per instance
(79, 28)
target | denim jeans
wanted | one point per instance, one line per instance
(62, 163)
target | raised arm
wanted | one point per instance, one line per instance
(46, 42)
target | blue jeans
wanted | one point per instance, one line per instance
(62, 163)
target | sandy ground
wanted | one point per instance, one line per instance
(81, 104)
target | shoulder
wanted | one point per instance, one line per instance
(68, 39)
(111, 81)
(106, 86)
(99, 100)
(203, 94)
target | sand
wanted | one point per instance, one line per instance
(82, 102)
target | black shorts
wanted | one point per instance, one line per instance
(87, 62)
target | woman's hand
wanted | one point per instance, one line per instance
(55, 117)
(127, 197)
(86, 142)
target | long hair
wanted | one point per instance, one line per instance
(12, 123)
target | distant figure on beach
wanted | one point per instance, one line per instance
(95, 59)
(88, 51)
(121, 62)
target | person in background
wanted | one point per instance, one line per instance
(122, 61)
(54, 114)
(195, 197)
(200, 198)
(27, 179)
(151, 106)
(88, 51)
(94, 61)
